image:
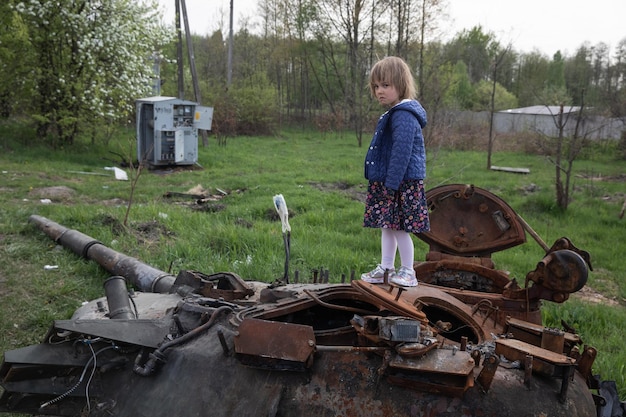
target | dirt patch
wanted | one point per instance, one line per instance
(152, 231)
(145, 233)
(607, 178)
(117, 228)
(614, 198)
(58, 193)
(173, 169)
(590, 295)
(356, 192)
(114, 202)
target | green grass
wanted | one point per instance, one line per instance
(321, 179)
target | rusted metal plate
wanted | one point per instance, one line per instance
(544, 361)
(275, 344)
(389, 299)
(222, 285)
(440, 361)
(442, 371)
(468, 220)
(517, 350)
(532, 332)
(436, 302)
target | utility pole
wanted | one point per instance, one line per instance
(192, 61)
(179, 54)
(229, 71)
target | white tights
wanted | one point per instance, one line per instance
(392, 240)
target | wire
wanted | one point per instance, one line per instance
(93, 371)
(134, 305)
(82, 375)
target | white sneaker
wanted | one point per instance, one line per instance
(377, 275)
(405, 277)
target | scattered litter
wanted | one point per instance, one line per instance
(45, 201)
(248, 261)
(197, 190)
(120, 174)
(163, 215)
(199, 194)
(50, 267)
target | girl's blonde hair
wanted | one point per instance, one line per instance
(393, 71)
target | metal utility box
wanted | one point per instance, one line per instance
(167, 130)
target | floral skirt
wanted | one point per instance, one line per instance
(405, 209)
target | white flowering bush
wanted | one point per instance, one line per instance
(95, 58)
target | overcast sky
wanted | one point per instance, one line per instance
(545, 25)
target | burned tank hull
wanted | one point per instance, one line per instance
(468, 341)
(227, 369)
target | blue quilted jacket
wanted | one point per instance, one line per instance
(397, 149)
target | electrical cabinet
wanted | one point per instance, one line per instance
(167, 130)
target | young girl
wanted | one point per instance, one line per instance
(395, 166)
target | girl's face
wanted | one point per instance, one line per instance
(386, 94)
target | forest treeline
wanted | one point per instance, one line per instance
(78, 70)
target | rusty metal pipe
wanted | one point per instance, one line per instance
(140, 275)
(118, 299)
(534, 234)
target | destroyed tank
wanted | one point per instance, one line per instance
(468, 341)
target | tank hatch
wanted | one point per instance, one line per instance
(466, 220)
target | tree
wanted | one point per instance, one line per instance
(556, 71)
(473, 47)
(93, 61)
(616, 93)
(16, 61)
(461, 95)
(427, 26)
(533, 71)
(563, 149)
(486, 95)
(578, 73)
(497, 57)
(349, 21)
(567, 149)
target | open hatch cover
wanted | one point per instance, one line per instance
(466, 220)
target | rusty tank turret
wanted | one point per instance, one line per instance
(468, 341)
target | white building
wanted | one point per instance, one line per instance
(545, 120)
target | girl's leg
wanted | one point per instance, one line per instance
(388, 245)
(405, 247)
(405, 276)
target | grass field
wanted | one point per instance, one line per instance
(237, 229)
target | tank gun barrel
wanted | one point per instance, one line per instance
(142, 276)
